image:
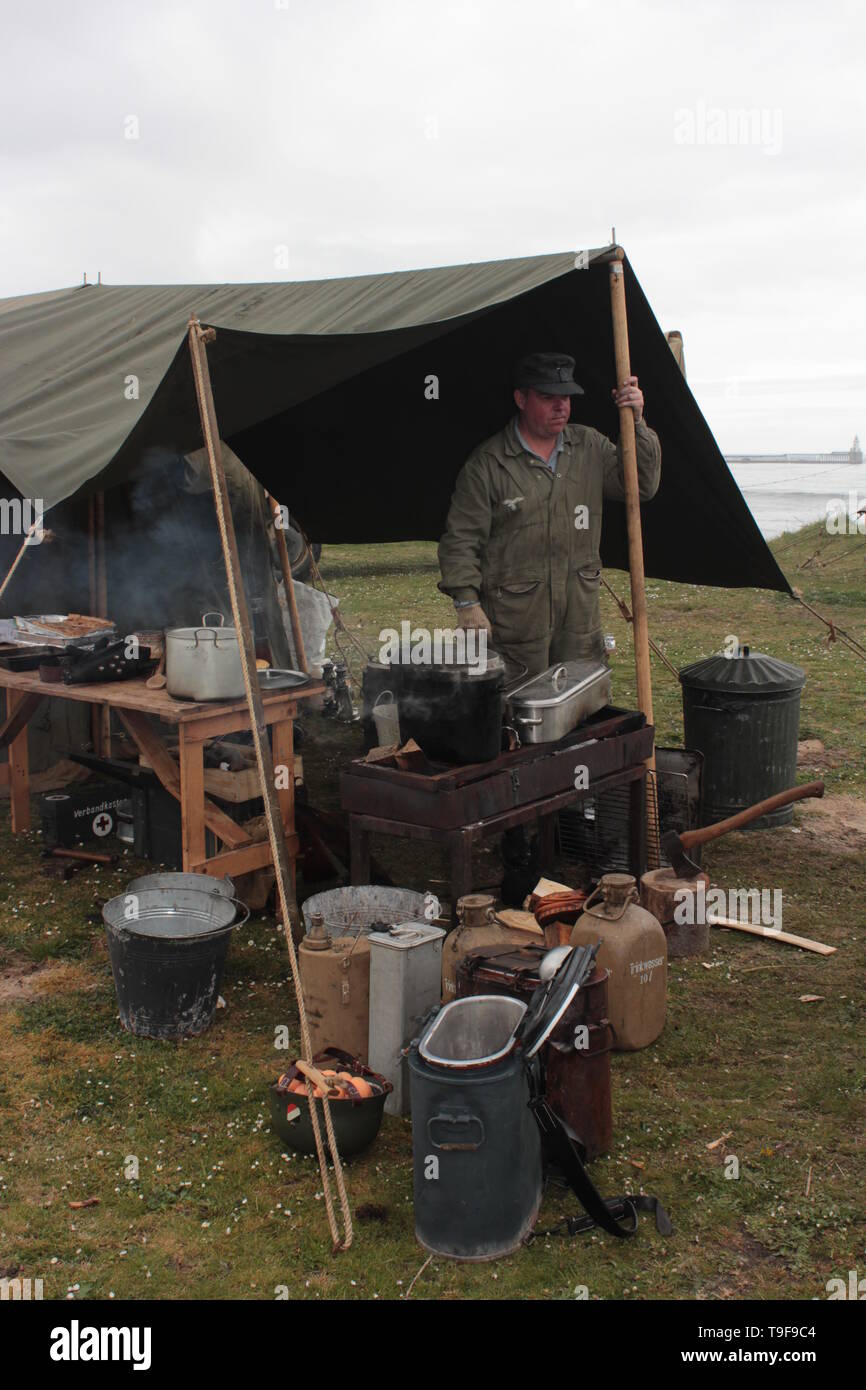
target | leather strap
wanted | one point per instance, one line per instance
(617, 1215)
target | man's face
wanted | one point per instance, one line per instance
(544, 415)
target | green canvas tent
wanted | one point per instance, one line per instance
(355, 401)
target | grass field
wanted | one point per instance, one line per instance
(218, 1210)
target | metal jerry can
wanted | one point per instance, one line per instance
(405, 981)
(634, 950)
(335, 978)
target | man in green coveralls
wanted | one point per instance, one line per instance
(520, 553)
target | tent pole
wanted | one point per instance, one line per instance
(289, 586)
(198, 338)
(101, 718)
(635, 539)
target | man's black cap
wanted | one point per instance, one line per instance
(550, 372)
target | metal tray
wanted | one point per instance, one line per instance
(275, 679)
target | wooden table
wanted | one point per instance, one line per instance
(196, 722)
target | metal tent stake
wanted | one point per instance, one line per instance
(635, 538)
(198, 338)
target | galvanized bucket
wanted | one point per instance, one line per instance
(167, 949)
(196, 883)
(367, 907)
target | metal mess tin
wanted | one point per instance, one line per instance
(546, 707)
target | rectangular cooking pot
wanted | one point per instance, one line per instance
(546, 707)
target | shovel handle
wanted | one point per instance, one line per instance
(690, 838)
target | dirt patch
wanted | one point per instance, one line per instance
(23, 980)
(811, 753)
(837, 821)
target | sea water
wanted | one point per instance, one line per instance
(785, 496)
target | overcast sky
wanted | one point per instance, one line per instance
(192, 140)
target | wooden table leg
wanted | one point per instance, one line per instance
(191, 759)
(19, 765)
(282, 749)
(359, 852)
(460, 866)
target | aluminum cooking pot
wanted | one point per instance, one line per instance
(203, 663)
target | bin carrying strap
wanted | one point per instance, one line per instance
(617, 1215)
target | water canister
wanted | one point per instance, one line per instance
(335, 978)
(405, 979)
(634, 950)
(743, 713)
(476, 927)
(477, 1156)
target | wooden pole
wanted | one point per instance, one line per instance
(633, 523)
(101, 717)
(289, 585)
(198, 338)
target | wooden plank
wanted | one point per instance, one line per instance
(168, 772)
(787, 938)
(243, 785)
(20, 710)
(282, 749)
(255, 855)
(207, 725)
(192, 827)
(19, 759)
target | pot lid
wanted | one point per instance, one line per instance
(550, 1001)
(558, 683)
(749, 672)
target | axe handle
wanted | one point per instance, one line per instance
(690, 838)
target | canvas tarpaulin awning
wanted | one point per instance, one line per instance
(355, 401)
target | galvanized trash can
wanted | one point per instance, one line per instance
(743, 714)
(478, 1170)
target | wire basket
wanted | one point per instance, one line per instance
(595, 833)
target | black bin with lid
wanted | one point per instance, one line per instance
(743, 713)
(478, 1170)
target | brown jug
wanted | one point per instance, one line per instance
(634, 950)
(476, 926)
(335, 978)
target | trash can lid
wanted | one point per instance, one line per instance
(551, 1000)
(747, 673)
